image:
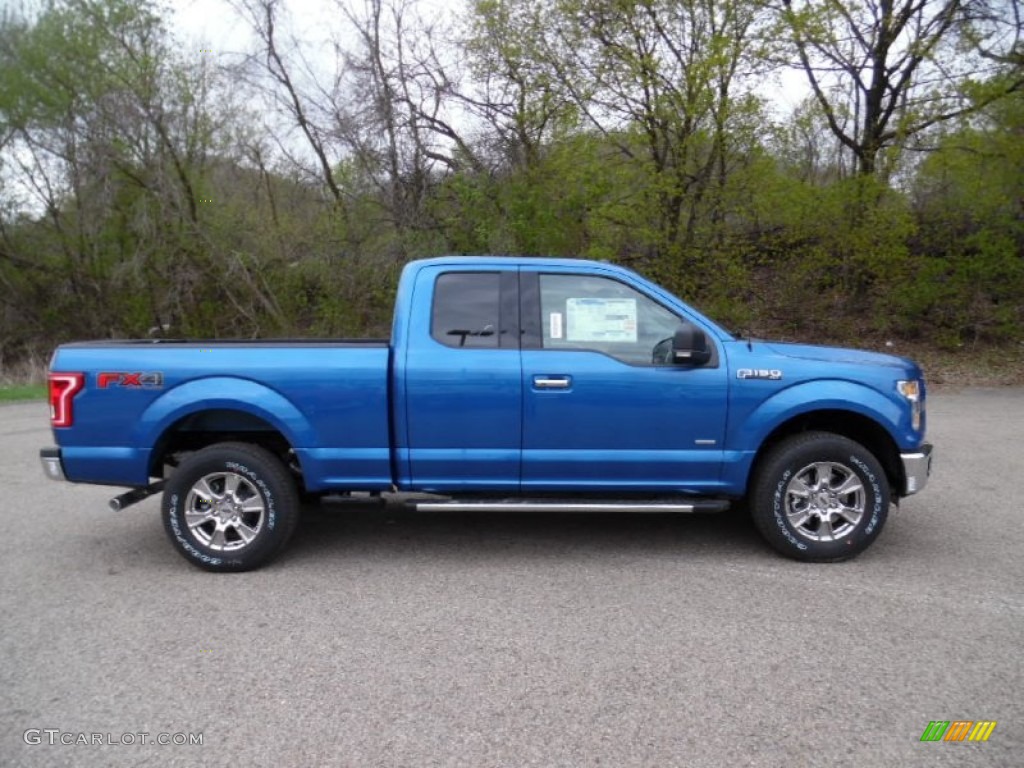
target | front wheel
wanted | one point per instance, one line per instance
(820, 497)
(230, 507)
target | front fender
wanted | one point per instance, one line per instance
(749, 428)
(820, 395)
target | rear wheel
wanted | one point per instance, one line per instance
(820, 497)
(230, 507)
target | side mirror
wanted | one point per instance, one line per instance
(690, 346)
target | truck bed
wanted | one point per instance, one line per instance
(304, 342)
(328, 398)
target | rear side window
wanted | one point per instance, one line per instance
(467, 310)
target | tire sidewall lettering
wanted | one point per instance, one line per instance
(779, 511)
(268, 497)
(174, 519)
(876, 493)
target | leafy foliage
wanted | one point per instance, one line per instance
(146, 188)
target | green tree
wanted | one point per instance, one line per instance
(969, 199)
(666, 71)
(112, 128)
(885, 72)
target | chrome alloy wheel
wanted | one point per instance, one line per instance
(825, 501)
(224, 511)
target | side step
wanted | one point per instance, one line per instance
(525, 505)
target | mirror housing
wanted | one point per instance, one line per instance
(690, 346)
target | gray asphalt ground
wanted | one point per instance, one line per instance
(383, 639)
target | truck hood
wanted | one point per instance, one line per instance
(836, 355)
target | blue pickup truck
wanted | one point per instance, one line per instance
(507, 384)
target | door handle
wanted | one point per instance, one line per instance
(552, 382)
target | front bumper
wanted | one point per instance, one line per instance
(52, 466)
(917, 467)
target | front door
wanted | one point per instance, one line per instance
(602, 410)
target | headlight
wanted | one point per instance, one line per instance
(911, 390)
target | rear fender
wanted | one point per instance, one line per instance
(223, 392)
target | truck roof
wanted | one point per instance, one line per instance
(509, 260)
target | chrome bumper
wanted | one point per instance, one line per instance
(917, 467)
(52, 466)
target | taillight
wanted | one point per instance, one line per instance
(63, 388)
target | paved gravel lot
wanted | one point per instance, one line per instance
(390, 639)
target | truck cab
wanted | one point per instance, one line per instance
(554, 376)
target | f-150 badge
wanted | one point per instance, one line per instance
(759, 373)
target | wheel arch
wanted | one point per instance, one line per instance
(850, 424)
(203, 428)
(217, 409)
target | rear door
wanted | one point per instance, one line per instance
(463, 381)
(601, 410)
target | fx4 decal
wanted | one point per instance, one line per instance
(151, 380)
(759, 373)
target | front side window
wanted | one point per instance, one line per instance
(603, 315)
(467, 310)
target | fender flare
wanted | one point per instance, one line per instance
(223, 393)
(750, 434)
(819, 395)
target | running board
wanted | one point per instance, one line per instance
(515, 505)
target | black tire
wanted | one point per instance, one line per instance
(813, 485)
(230, 507)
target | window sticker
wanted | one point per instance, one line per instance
(555, 323)
(601, 320)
